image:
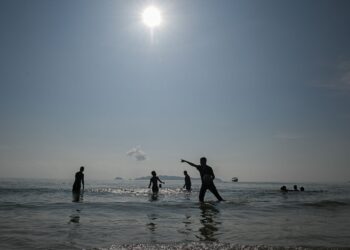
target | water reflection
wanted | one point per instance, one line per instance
(188, 224)
(74, 227)
(75, 217)
(152, 225)
(209, 222)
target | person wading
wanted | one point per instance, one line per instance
(207, 177)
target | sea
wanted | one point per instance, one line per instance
(123, 214)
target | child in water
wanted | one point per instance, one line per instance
(154, 181)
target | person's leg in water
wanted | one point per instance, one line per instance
(76, 196)
(76, 192)
(155, 190)
(202, 193)
(213, 189)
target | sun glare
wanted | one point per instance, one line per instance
(151, 17)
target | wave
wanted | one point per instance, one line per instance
(326, 204)
(134, 191)
(31, 190)
(211, 246)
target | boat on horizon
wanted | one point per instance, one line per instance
(234, 179)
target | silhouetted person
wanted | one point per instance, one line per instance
(187, 181)
(207, 177)
(154, 181)
(295, 188)
(302, 189)
(79, 179)
(284, 189)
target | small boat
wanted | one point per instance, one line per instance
(234, 179)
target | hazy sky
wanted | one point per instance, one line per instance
(261, 88)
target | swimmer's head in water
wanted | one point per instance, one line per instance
(154, 173)
(81, 169)
(203, 161)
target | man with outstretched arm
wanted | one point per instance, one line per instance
(207, 177)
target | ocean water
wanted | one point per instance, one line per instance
(40, 214)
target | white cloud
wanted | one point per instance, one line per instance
(340, 80)
(137, 153)
(287, 136)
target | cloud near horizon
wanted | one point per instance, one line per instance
(340, 80)
(287, 136)
(137, 153)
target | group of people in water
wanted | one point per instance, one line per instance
(207, 178)
(295, 188)
(154, 182)
(205, 171)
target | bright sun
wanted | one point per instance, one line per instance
(151, 17)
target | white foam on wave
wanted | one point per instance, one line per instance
(136, 191)
(203, 246)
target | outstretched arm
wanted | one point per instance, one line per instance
(161, 181)
(82, 181)
(189, 163)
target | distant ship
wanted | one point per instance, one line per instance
(235, 179)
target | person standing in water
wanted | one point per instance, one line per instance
(79, 179)
(187, 182)
(154, 181)
(207, 177)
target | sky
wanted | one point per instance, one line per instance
(260, 88)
